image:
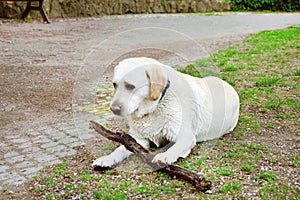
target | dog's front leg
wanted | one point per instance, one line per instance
(112, 159)
(181, 148)
(118, 155)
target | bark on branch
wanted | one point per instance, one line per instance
(130, 143)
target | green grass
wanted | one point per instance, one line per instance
(230, 68)
(231, 187)
(87, 184)
(224, 172)
(27, 19)
(246, 167)
(266, 82)
(264, 70)
(275, 191)
(190, 69)
(266, 177)
(201, 161)
(110, 194)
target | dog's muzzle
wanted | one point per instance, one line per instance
(116, 109)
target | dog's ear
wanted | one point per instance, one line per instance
(158, 81)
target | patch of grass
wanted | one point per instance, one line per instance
(255, 147)
(203, 63)
(109, 172)
(27, 19)
(285, 116)
(89, 177)
(266, 82)
(230, 68)
(190, 69)
(224, 172)
(87, 151)
(201, 68)
(61, 170)
(266, 176)
(246, 167)
(297, 72)
(149, 190)
(188, 165)
(255, 128)
(274, 104)
(200, 161)
(274, 191)
(270, 124)
(163, 175)
(296, 161)
(110, 194)
(231, 187)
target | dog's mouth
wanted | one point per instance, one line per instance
(122, 113)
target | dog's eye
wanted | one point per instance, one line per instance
(129, 86)
(115, 85)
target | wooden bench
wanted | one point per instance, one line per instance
(30, 7)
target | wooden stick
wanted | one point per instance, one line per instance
(130, 143)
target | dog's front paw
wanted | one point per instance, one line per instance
(104, 162)
(165, 157)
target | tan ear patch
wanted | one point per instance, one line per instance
(155, 91)
(158, 82)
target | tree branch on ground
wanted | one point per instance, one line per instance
(147, 156)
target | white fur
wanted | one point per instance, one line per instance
(192, 110)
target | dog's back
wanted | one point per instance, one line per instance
(220, 111)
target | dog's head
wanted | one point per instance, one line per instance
(138, 83)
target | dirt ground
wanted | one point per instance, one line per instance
(31, 93)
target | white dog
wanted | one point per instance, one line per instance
(161, 104)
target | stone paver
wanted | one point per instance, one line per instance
(26, 154)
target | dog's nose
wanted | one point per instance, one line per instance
(116, 110)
